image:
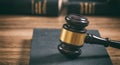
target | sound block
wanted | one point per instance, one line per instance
(44, 50)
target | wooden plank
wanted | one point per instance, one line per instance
(16, 34)
(116, 60)
(14, 52)
(14, 49)
(14, 42)
(113, 52)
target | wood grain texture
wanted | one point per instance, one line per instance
(16, 34)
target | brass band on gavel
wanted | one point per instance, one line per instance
(72, 38)
(31, 7)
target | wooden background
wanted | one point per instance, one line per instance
(16, 34)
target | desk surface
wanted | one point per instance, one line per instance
(16, 34)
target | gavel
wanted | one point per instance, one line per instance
(74, 35)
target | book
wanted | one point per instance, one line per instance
(88, 0)
(34, 7)
(88, 8)
(115, 7)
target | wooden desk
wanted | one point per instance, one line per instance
(16, 34)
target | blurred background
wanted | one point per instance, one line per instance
(18, 18)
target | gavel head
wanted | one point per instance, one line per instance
(72, 35)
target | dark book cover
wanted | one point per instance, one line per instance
(88, 0)
(93, 7)
(32, 7)
(88, 8)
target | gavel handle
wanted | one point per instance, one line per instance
(92, 39)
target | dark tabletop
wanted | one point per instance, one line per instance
(44, 50)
